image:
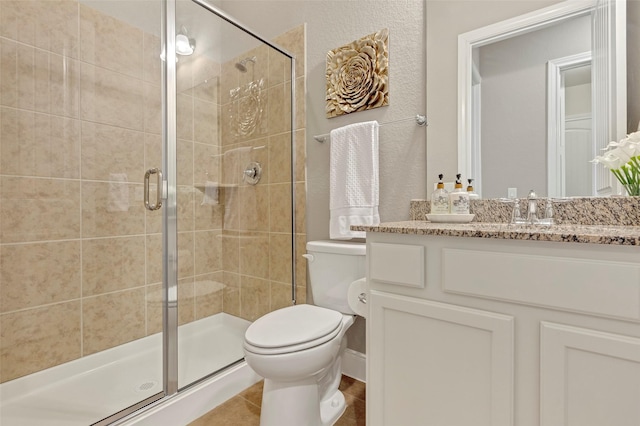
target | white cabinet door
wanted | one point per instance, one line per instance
(588, 378)
(432, 363)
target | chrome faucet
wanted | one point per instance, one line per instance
(532, 212)
(548, 212)
(532, 208)
(534, 215)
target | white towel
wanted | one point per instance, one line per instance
(353, 179)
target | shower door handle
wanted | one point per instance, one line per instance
(159, 188)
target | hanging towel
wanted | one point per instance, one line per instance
(353, 179)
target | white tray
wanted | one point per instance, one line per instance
(450, 218)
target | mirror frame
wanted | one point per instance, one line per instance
(609, 100)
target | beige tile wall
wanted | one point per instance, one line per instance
(80, 122)
(256, 245)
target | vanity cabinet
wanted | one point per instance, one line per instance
(440, 364)
(497, 332)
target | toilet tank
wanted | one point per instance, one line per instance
(333, 265)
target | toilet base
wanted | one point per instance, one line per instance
(297, 404)
(332, 408)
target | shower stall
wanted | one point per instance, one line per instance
(148, 201)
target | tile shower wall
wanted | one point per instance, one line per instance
(80, 257)
(256, 232)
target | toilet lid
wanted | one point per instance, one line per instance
(292, 325)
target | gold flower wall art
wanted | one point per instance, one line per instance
(358, 75)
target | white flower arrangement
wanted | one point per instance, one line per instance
(623, 159)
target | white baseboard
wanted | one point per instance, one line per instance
(354, 364)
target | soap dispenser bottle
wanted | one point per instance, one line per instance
(470, 192)
(440, 198)
(459, 199)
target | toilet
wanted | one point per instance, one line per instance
(298, 349)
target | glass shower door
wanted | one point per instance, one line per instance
(80, 257)
(234, 187)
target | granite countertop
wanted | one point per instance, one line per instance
(592, 234)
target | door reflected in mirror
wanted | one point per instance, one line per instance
(570, 143)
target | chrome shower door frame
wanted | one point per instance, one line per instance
(170, 212)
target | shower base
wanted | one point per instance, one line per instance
(91, 388)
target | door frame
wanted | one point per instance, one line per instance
(556, 119)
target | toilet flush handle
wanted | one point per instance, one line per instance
(308, 256)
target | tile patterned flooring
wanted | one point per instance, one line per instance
(244, 408)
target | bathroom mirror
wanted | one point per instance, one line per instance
(539, 96)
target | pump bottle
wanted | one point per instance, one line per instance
(440, 198)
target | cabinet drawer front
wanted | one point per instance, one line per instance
(595, 287)
(397, 264)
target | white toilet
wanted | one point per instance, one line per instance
(297, 349)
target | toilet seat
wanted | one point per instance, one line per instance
(292, 329)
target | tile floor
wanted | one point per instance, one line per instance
(244, 408)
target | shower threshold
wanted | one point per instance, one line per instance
(86, 390)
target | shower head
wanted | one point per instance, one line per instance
(242, 65)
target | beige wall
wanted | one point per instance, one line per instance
(80, 257)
